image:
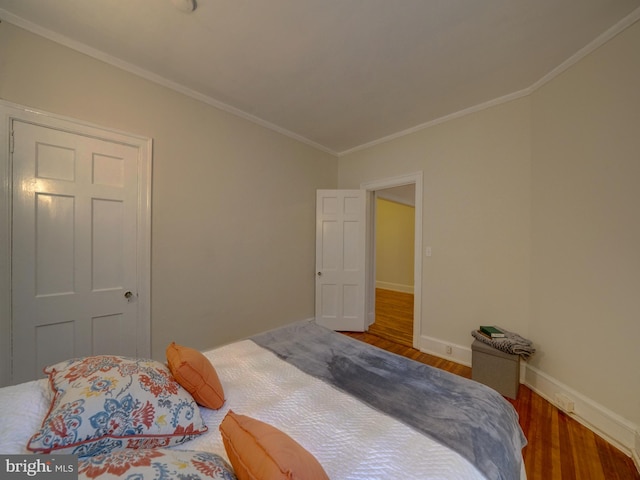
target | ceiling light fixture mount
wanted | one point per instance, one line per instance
(186, 6)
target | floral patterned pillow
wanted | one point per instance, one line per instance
(106, 403)
(155, 464)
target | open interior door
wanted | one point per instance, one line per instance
(341, 259)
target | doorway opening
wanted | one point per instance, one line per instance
(394, 307)
(394, 263)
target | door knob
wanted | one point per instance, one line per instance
(128, 295)
(319, 274)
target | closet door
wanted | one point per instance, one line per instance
(75, 224)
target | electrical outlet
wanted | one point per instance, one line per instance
(565, 403)
(448, 350)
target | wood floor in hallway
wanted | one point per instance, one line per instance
(394, 316)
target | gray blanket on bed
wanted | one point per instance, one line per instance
(464, 415)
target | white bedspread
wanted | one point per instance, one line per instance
(350, 440)
(22, 409)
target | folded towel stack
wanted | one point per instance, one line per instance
(512, 343)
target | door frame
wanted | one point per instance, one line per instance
(370, 292)
(10, 111)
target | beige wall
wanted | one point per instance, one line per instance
(476, 204)
(395, 235)
(233, 227)
(586, 226)
(531, 210)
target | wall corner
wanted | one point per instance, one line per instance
(636, 450)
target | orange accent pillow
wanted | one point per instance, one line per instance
(194, 372)
(257, 450)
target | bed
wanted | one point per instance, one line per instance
(360, 412)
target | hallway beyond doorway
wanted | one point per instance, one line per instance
(394, 316)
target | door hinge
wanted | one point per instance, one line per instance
(11, 141)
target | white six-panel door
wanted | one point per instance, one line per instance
(74, 263)
(340, 259)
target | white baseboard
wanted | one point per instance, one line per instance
(433, 346)
(609, 425)
(396, 287)
(636, 451)
(612, 427)
(459, 353)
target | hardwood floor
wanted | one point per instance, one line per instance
(394, 316)
(559, 448)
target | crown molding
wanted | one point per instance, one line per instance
(437, 121)
(152, 77)
(616, 29)
(612, 32)
(599, 41)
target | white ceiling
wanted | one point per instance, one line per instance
(337, 74)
